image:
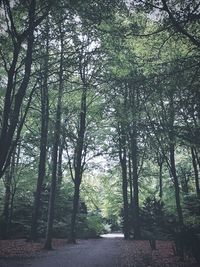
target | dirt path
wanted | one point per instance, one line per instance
(110, 251)
(103, 252)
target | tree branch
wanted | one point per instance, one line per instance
(177, 25)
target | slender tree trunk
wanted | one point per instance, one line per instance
(131, 210)
(10, 119)
(41, 176)
(12, 206)
(43, 142)
(176, 184)
(78, 165)
(196, 174)
(122, 157)
(134, 158)
(171, 135)
(60, 155)
(72, 237)
(78, 154)
(6, 208)
(160, 181)
(48, 241)
(78, 169)
(160, 164)
(130, 179)
(8, 195)
(13, 184)
(137, 232)
(197, 156)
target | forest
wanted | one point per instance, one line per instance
(100, 121)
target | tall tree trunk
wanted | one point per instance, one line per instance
(48, 241)
(176, 183)
(79, 148)
(78, 164)
(136, 226)
(72, 237)
(130, 178)
(13, 184)
(131, 193)
(43, 139)
(160, 181)
(196, 174)
(122, 157)
(171, 135)
(134, 157)
(197, 156)
(8, 197)
(11, 113)
(60, 155)
(160, 164)
(6, 208)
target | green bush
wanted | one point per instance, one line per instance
(191, 209)
(95, 224)
(153, 219)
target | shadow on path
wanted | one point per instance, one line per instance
(102, 252)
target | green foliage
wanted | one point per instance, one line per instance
(153, 219)
(191, 206)
(95, 225)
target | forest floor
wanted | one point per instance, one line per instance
(102, 252)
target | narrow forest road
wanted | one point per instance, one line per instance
(102, 252)
(109, 251)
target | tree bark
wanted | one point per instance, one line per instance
(14, 98)
(160, 164)
(10, 119)
(176, 184)
(6, 208)
(8, 196)
(134, 159)
(196, 174)
(79, 148)
(178, 26)
(13, 184)
(171, 135)
(48, 241)
(122, 157)
(43, 140)
(137, 231)
(72, 237)
(78, 164)
(60, 155)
